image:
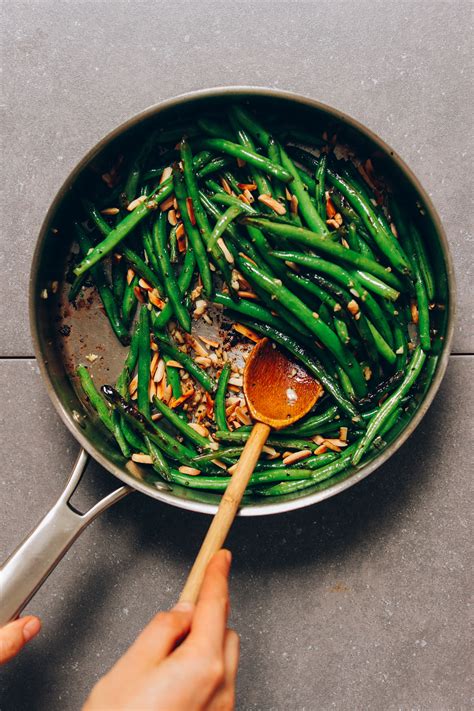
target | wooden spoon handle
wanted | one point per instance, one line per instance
(227, 511)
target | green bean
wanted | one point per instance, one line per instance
(219, 401)
(381, 344)
(159, 464)
(192, 232)
(187, 362)
(129, 302)
(321, 331)
(172, 376)
(245, 140)
(252, 125)
(132, 355)
(104, 413)
(172, 289)
(319, 476)
(377, 286)
(237, 151)
(123, 229)
(181, 425)
(222, 223)
(131, 184)
(227, 452)
(350, 281)
(309, 425)
(76, 286)
(423, 262)
(320, 180)
(214, 128)
(149, 248)
(341, 329)
(210, 483)
(384, 239)
(160, 320)
(214, 166)
(119, 277)
(273, 441)
(309, 361)
(173, 244)
(105, 293)
(301, 235)
(141, 268)
(308, 211)
(168, 444)
(144, 360)
(391, 404)
(346, 383)
(238, 242)
(201, 216)
(274, 155)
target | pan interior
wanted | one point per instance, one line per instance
(64, 333)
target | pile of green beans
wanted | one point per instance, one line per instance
(268, 226)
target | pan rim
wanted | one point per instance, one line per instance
(307, 499)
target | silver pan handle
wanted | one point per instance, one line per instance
(30, 564)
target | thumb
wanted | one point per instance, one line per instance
(15, 635)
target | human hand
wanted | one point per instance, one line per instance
(184, 660)
(16, 634)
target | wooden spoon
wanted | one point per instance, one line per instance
(278, 392)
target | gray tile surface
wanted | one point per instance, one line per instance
(360, 602)
(357, 603)
(74, 70)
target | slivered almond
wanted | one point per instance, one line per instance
(145, 285)
(243, 198)
(154, 364)
(201, 307)
(178, 337)
(220, 464)
(321, 449)
(172, 219)
(337, 442)
(233, 388)
(230, 409)
(247, 295)
(167, 393)
(269, 450)
(167, 204)
(209, 342)
(153, 346)
(343, 434)
(138, 293)
(173, 364)
(318, 439)
(135, 203)
(189, 206)
(133, 385)
(332, 223)
(142, 458)
(273, 204)
(179, 401)
(242, 416)
(110, 211)
(151, 390)
(196, 346)
(333, 447)
(247, 186)
(204, 361)
(296, 456)
(130, 276)
(160, 371)
(155, 299)
(288, 195)
(156, 416)
(134, 396)
(209, 405)
(200, 429)
(247, 332)
(345, 243)
(167, 173)
(353, 307)
(294, 205)
(191, 471)
(249, 196)
(367, 372)
(330, 209)
(225, 251)
(237, 381)
(226, 186)
(232, 469)
(414, 313)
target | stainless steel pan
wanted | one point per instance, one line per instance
(63, 335)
